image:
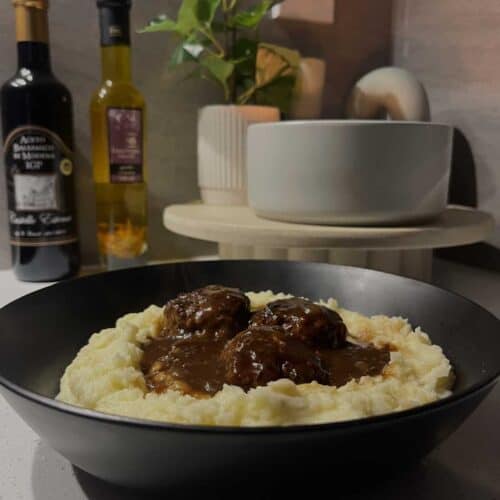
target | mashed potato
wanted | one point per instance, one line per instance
(106, 376)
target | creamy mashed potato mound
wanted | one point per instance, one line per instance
(106, 376)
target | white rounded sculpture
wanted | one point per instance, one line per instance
(392, 91)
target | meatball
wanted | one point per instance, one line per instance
(214, 311)
(252, 358)
(304, 320)
(262, 354)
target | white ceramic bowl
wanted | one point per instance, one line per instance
(349, 172)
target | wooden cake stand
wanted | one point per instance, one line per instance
(401, 250)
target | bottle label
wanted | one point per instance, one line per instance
(39, 170)
(125, 145)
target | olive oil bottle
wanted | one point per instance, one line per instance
(117, 115)
(37, 125)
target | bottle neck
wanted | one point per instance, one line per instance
(32, 34)
(33, 55)
(116, 65)
(115, 42)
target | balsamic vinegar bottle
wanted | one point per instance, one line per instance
(37, 125)
(117, 114)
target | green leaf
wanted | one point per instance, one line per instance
(180, 56)
(189, 50)
(292, 57)
(245, 48)
(187, 18)
(279, 93)
(160, 23)
(275, 75)
(194, 14)
(247, 83)
(274, 62)
(206, 10)
(251, 18)
(219, 69)
(245, 53)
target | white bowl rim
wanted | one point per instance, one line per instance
(349, 123)
(237, 106)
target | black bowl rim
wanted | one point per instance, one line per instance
(109, 418)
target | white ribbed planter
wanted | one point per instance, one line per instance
(222, 139)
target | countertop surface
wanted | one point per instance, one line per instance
(466, 466)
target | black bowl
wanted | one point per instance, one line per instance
(42, 332)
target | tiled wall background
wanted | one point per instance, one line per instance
(357, 42)
(453, 46)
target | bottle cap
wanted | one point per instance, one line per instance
(114, 22)
(114, 3)
(33, 4)
(31, 20)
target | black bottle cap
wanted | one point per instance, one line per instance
(114, 21)
(114, 3)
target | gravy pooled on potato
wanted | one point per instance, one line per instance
(210, 339)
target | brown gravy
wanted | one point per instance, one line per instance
(196, 364)
(353, 362)
(210, 339)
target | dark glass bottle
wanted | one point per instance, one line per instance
(37, 125)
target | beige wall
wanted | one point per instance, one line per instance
(358, 41)
(453, 46)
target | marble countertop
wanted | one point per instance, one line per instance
(466, 466)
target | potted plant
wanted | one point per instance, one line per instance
(219, 41)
